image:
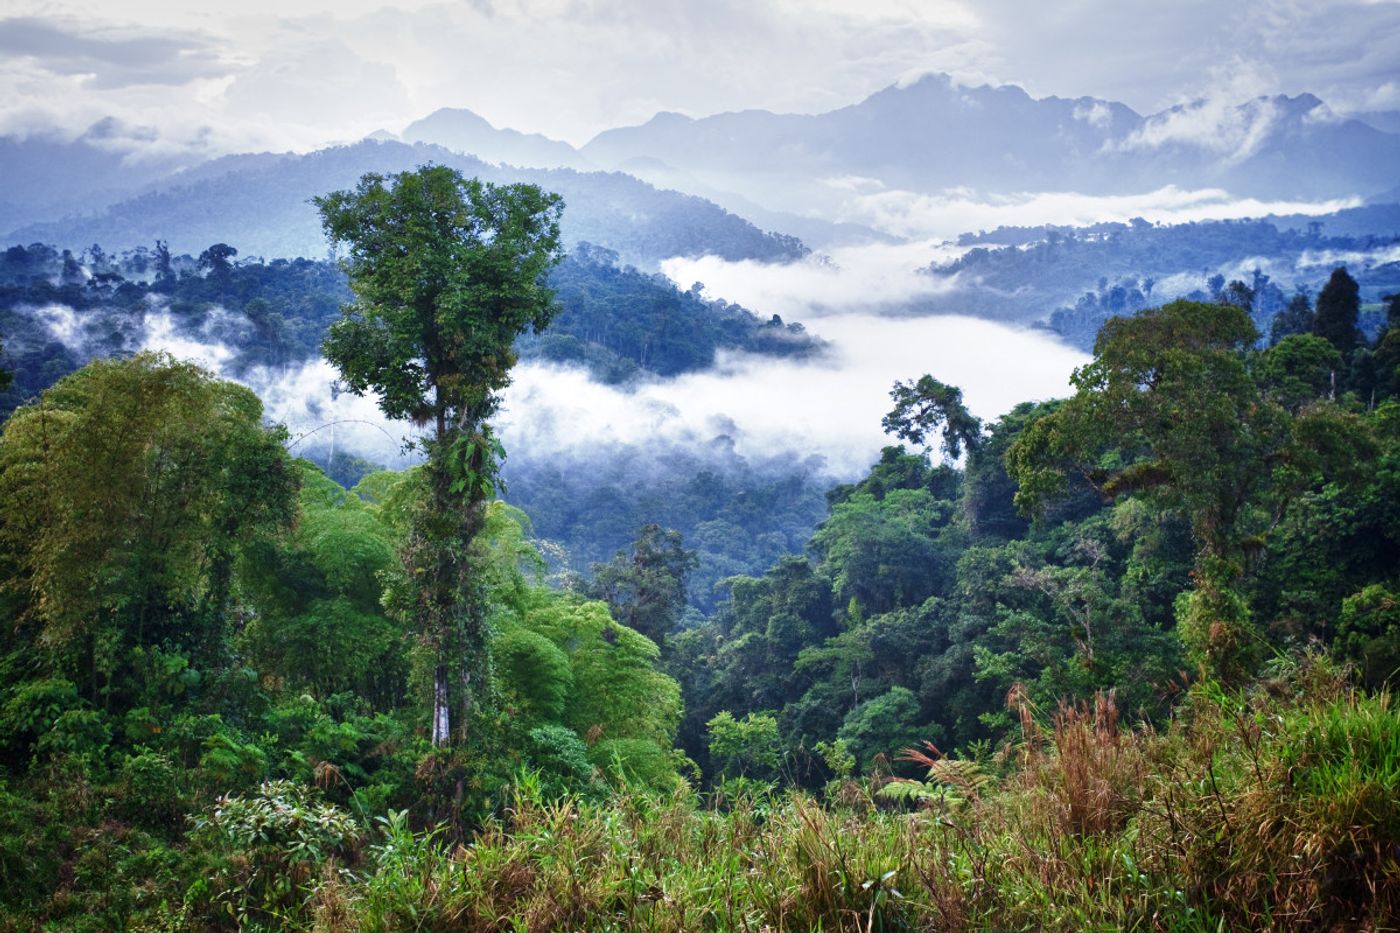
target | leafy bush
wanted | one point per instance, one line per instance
(267, 848)
(562, 760)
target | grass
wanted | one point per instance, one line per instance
(1275, 809)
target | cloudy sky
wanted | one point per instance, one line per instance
(297, 73)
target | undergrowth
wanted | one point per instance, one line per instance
(1274, 808)
(1271, 808)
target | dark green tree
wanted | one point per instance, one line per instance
(126, 496)
(1338, 305)
(1297, 318)
(1168, 407)
(646, 591)
(927, 406)
(1392, 310)
(446, 273)
(6, 377)
(217, 260)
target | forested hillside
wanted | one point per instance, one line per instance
(1078, 277)
(59, 308)
(656, 686)
(764, 467)
(226, 636)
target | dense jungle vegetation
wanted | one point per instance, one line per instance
(618, 322)
(1117, 661)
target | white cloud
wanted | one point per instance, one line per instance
(841, 281)
(911, 214)
(1097, 114)
(1330, 258)
(1216, 125)
(569, 68)
(305, 81)
(828, 407)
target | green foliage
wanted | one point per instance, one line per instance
(231, 761)
(1169, 408)
(536, 671)
(1300, 369)
(1085, 825)
(890, 552)
(563, 762)
(928, 406)
(616, 693)
(127, 493)
(1368, 633)
(638, 764)
(32, 708)
(320, 624)
(883, 725)
(747, 747)
(1215, 626)
(646, 591)
(446, 272)
(1219, 506)
(267, 850)
(739, 516)
(1337, 306)
(152, 792)
(621, 323)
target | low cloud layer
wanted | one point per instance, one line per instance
(830, 408)
(881, 277)
(764, 408)
(910, 214)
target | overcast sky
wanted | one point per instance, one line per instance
(298, 73)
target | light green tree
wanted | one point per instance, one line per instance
(126, 495)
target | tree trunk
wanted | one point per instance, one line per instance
(440, 716)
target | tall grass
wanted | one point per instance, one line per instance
(1274, 809)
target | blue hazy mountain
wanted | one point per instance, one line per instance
(43, 176)
(933, 135)
(261, 203)
(463, 131)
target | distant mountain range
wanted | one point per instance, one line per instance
(793, 173)
(463, 131)
(261, 205)
(45, 177)
(934, 135)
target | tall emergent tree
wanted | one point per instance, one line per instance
(923, 408)
(446, 272)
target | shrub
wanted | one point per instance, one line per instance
(268, 847)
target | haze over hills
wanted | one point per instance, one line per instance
(261, 204)
(934, 135)
(1387, 121)
(45, 176)
(462, 131)
(849, 175)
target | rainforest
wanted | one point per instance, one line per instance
(872, 494)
